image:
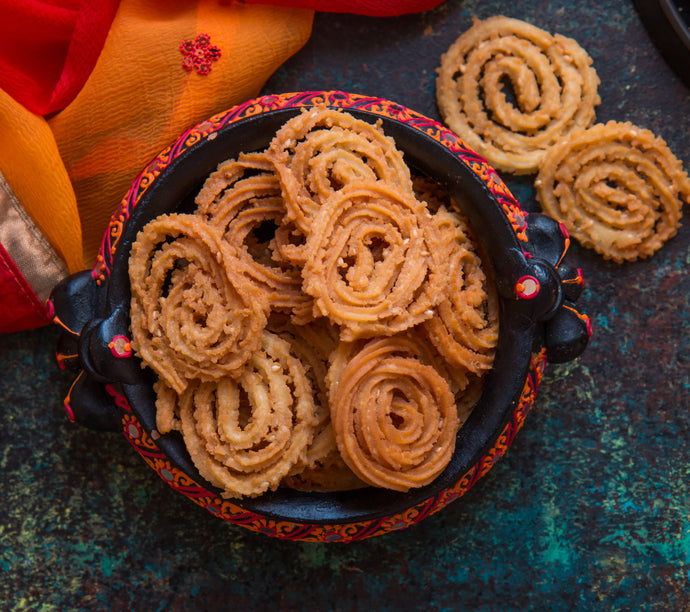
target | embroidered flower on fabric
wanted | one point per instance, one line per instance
(199, 54)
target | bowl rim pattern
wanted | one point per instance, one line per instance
(146, 443)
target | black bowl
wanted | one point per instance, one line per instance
(525, 253)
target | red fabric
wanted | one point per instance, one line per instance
(20, 308)
(49, 47)
(372, 8)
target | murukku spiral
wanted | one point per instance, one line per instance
(465, 328)
(395, 418)
(376, 263)
(193, 312)
(510, 90)
(322, 468)
(242, 198)
(313, 345)
(616, 187)
(245, 435)
(321, 150)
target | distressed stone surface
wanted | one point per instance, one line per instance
(588, 509)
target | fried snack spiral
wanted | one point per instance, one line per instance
(313, 344)
(376, 262)
(553, 89)
(465, 328)
(322, 467)
(193, 312)
(616, 187)
(242, 198)
(395, 419)
(214, 190)
(244, 435)
(321, 150)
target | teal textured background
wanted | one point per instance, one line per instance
(588, 510)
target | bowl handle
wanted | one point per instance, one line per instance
(566, 329)
(76, 303)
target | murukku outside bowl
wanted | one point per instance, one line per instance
(525, 252)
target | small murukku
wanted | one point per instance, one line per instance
(510, 90)
(245, 435)
(465, 386)
(465, 328)
(321, 150)
(376, 262)
(313, 344)
(242, 198)
(394, 417)
(322, 468)
(616, 187)
(193, 312)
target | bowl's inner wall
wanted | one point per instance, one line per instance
(174, 191)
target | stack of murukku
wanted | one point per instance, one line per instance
(525, 99)
(322, 321)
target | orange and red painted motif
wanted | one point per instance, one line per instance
(229, 511)
(145, 444)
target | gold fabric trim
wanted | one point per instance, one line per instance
(26, 245)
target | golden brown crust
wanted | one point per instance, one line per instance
(322, 150)
(312, 344)
(395, 418)
(376, 262)
(465, 326)
(616, 187)
(552, 83)
(246, 455)
(193, 314)
(243, 200)
(265, 342)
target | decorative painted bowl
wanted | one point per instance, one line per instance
(538, 320)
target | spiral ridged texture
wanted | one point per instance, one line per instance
(394, 417)
(322, 467)
(510, 90)
(242, 198)
(245, 435)
(376, 262)
(313, 344)
(616, 187)
(289, 317)
(322, 150)
(193, 312)
(465, 330)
